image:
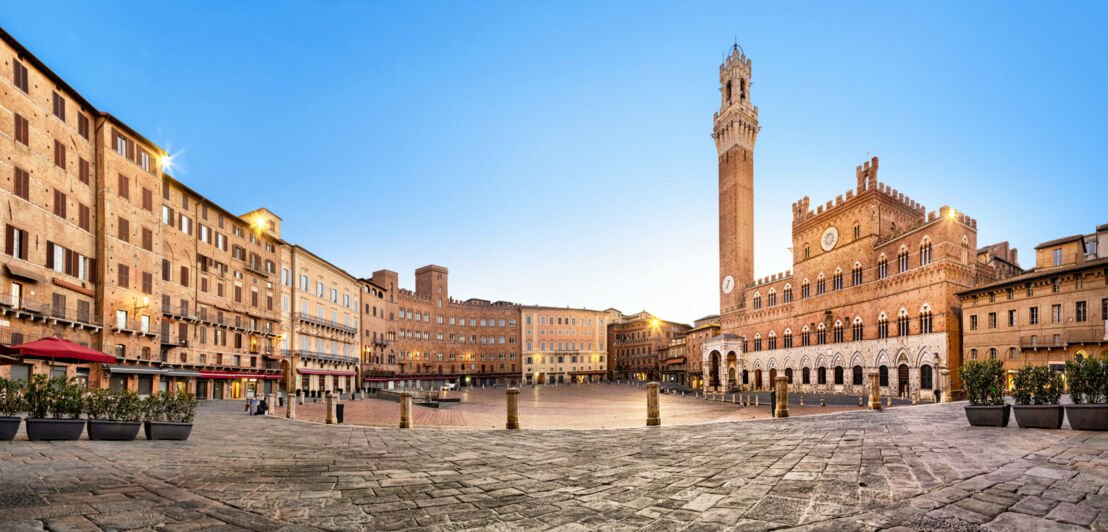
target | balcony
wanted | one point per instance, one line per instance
(331, 324)
(23, 307)
(257, 270)
(1066, 337)
(134, 327)
(73, 318)
(326, 356)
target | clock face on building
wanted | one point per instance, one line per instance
(829, 238)
(728, 284)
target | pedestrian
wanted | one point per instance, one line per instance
(937, 394)
(262, 408)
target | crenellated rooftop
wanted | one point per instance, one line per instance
(867, 181)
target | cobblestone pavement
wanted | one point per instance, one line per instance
(920, 468)
(586, 406)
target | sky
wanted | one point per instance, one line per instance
(560, 153)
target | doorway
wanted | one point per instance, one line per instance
(902, 380)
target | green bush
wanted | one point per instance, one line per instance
(984, 381)
(176, 407)
(1039, 385)
(39, 396)
(113, 405)
(153, 407)
(11, 397)
(68, 400)
(1088, 380)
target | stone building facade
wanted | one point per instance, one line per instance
(562, 345)
(703, 330)
(634, 344)
(444, 341)
(378, 332)
(1050, 314)
(873, 284)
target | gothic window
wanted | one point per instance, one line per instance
(856, 274)
(965, 250)
(788, 337)
(837, 280)
(758, 341)
(882, 267)
(856, 329)
(838, 332)
(925, 377)
(806, 376)
(821, 376)
(883, 376)
(925, 252)
(819, 285)
(902, 260)
(925, 320)
(728, 92)
(787, 294)
(857, 376)
(821, 335)
(772, 340)
(771, 299)
(838, 375)
(882, 326)
(757, 301)
(805, 337)
(804, 289)
(902, 323)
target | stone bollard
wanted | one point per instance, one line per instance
(513, 409)
(801, 400)
(861, 400)
(915, 399)
(732, 398)
(653, 418)
(299, 398)
(405, 410)
(821, 401)
(890, 400)
(363, 394)
(782, 397)
(874, 391)
(755, 400)
(332, 418)
(946, 397)
(272, 402)
(442, 393)
(290, 407)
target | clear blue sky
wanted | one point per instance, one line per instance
(559, 153)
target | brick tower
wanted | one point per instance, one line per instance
(735, 131)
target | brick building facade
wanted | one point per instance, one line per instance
(563, 345)
(873, 284)
(634, 344)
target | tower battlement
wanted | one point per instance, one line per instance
(866, 175)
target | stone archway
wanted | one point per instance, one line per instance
(732, 366)
(758, 379)
(772, 377)
(902, 380)
(714, 362)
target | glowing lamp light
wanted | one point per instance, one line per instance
(953, 213)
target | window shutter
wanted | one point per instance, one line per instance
(131, 151)
(70, 263)
(165, 269)
(49, 255)
(123, 275)
(184, 276)
(92, 271)
(23, 245)
(123, 188)
(9, 238)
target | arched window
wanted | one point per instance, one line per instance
(805, 337)
(787, 294)
(902, 323)
(883, 326)
(821, 375)
(856, 329)
(992, 353)
(973, 354)
(925, 377)
(821, 334)
(819, 285)
(925, 320)
(882, 267)
(757, 341)
(856, 274)
(805, 376)
(838, 332)
(757, 300)
(838, 375)
(789, 375)
(965, 250)
(788, 337)
(837, 280)
(804, 289)
(857, 375)
(902, 260)
(925, 251)
(883, 376)
(772, 297)
(772, 340)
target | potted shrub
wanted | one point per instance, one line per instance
(984, 384)
(11, 404)
(1037, 389)
(113, 415)
(1088, 381)
(60, 398)
(169, 415)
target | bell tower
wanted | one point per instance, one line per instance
(735, 131)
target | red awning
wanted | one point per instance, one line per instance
(55, 347)
(307, 371)
(221, 375)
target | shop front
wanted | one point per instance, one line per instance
(233, 385)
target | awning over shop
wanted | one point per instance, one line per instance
(27, 275)
(221, 375)
(308, 371)
(58, 348)
(135, 370)
(601, 372)
(413, 378)
(182, 373)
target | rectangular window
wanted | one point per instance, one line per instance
(992, 320)
(124, 227)
(59, 106)
(84, 170)
(59, 204)
(22, 130)
(147, 239)
(147, 283)
(124, 276)
(1033, 315)
(1058, 257)
(59, 154)
(973, 323)
(1011, 318)
(148, 199)
(19, 76)
(184, 276)
(1056, 313)
(124, 187)
(83, 126)
(1081, 312)
(84, 216)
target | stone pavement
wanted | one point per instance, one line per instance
(913, 468)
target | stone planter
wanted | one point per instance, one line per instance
(54, 429)
(1039, 416)
(8, 427)
(988, 415)
(113, 430)
(1082, 417)
(167, 430)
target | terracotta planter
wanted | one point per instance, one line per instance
(8, 427)
(113, 430)
(1039, 416)
(54, 429)
(1082, 417)
(988, 415)
(166, 430)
